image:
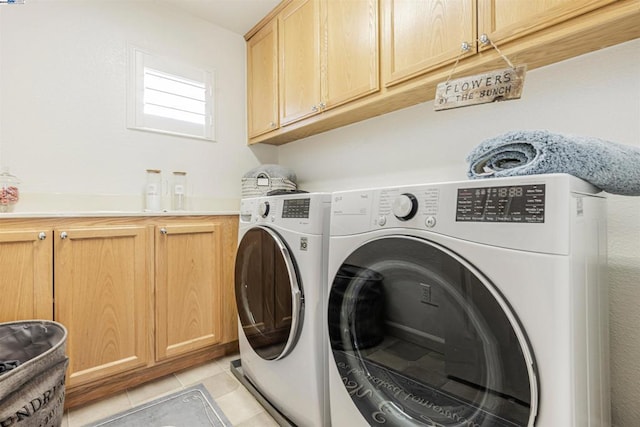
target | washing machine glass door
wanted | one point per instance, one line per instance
(268, 293)
(421, 338)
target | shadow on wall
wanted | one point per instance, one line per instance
(265, 153)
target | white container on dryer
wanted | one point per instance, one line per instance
(475, 303)
(280, 287)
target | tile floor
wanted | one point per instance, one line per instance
(236, 402)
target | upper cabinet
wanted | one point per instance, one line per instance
(328, 53)
(335, 69)
(312, 56)
(299, 42)
(349, 50)
(504, 20)
(262, 80)
(419, 36)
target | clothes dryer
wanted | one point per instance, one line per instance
(280, 288)
(475, 303)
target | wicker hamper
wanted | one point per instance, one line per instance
(32, 394)
(263, 179)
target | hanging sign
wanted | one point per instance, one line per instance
(498, 85)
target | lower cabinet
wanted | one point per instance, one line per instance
(188, 288)
(26, 273)
(141, 297)
(103, 293)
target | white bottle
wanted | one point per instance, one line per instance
(153, 191)
(178, 200)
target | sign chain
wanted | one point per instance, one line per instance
(484, 39)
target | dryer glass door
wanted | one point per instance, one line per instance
(421, 338)
(268, 293)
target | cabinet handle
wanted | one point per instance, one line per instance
(64, 235)
(42, 235)
(163, 230)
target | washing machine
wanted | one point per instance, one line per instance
(280, 290)
(474, 303)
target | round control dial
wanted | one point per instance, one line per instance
(263, 209)
(405, 206)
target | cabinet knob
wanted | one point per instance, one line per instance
(64, 235)
(42, 235)
(465, 47)
(322, 105)
(314, 108)
(163, 230)
(272, 124)
(484, 39)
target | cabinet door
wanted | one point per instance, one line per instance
(26, 275)
(262, 80)
(299, 36)
(504, 20)
(421, 35)
(228, 256)
(103, 290)
(349, 50)
(188, 288)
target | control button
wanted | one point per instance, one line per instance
(430, 222)
(405, 206)
(263, 209)
(382, 220)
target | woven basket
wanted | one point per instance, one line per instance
(263, 183)
(32, 394)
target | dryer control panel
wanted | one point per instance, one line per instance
(513, 203)
(532, 212)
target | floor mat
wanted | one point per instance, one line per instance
(192, 407)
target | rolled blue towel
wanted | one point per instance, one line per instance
(614, 168)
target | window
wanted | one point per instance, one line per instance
(169, 97)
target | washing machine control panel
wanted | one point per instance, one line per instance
(304, 213)
(291, 208)
(296, 208)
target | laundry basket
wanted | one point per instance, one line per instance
(263, 179)
(32, 394)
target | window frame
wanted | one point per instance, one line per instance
(137, 119)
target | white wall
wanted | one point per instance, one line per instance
(593, 95)
(63, 132)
